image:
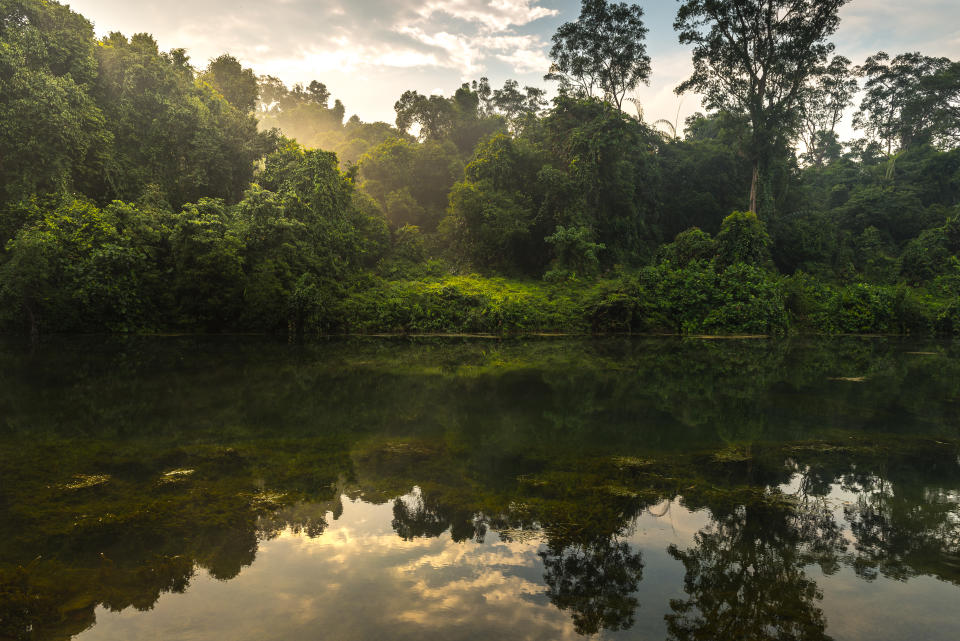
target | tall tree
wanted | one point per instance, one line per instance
(515, 105)
(910, 99)
(825, 99)
(602, 51)
(754, 57)
(433, 114)
(458, 118)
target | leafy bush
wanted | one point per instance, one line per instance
(690, 245)
(743, 238)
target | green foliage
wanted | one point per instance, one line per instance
(271, 262)
(408, 245)
(140, 193)
(208, 265)
(926, 256)
(575, 253)
(493, 219)
(168, 129)
(236, 84)
(51, 130)
(754, 57)
(688, 246)
(702, 176)
(743, 238)
(458, 119)
(411, 181)
(697, 299)
(459, 305)
(825, 99)
(76, 269)
(909, 100)
(603, 53)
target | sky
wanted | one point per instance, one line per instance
(368, 52)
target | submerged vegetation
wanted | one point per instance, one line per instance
(141, 193)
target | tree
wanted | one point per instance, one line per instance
(755, 57)
(690, 245)
(595, 581)
(432, 114)
(236, 84)
(824, 101)
(169, 129)
(76, 269)
(493, 217)
(411, 181)
(602, 51)
(909, 100)
(746, 572)
(575, 253)
(702, 174)
(458, 118)
(52, 132)
(208, 262)
(515, 105)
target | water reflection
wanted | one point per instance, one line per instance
(466, 490)
(595, 582)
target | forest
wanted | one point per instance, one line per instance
(141, 192)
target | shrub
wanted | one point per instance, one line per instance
(690, 245)
(743, 238)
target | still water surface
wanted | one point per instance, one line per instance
(237, 488)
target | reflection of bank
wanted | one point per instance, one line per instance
(555, 447)
(565, 534)
(379, 566)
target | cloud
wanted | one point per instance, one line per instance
(929, 26)
(370, 51)
(466, 54)
(493, 15)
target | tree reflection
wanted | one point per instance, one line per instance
(595, 582)
(745, 579)
(415, 516)
(903, 531)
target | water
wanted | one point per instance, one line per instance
(239, 488)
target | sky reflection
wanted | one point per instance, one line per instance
(360, 580)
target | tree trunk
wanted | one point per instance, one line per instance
(34, 327)
(754, 184)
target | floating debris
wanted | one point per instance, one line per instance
(175, 476)
(403, 448)
(850, 379)
(530, 479)
(629, 462)
(82, 481)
